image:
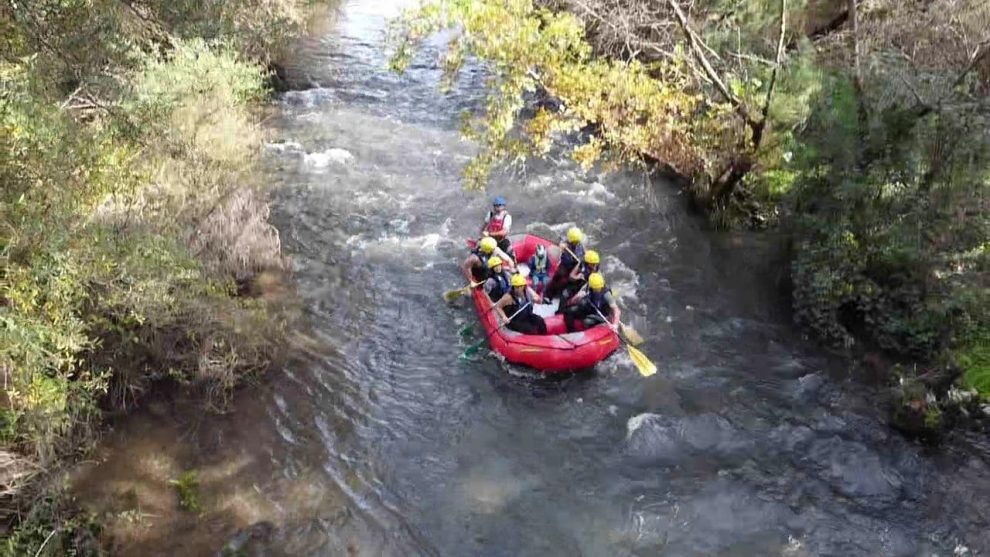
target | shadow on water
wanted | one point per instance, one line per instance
(377, 440)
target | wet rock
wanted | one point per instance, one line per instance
(252, 541)
(789, 438)
(854, 470)
(807, 386)
(653, 437)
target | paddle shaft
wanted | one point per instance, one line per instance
(509, 320)
(477, 344)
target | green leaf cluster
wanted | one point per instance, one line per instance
(638, 110)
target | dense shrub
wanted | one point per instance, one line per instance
(130, 217)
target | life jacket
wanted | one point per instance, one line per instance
(518, 301)
(566, 261)
(586, 271)
(501, 284)
(596, 300)
(540, 264)
(496, 223)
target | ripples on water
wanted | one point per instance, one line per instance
(748, 441)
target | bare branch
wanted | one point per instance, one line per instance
(694, 42)
(776, 62)
(979, 53)
(854, 23)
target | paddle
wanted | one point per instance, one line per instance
(633, 337)
(643, 364)
(451, 295)
(471, 350)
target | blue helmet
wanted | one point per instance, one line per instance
(499, 201)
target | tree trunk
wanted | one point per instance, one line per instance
(723, 186)
(862, 113)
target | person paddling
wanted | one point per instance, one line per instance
(475, 267)
(579, 276)
(591, 305)
(519, 303)
(497, 284)
(570, 247)
(497, 224)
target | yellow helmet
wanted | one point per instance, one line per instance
(591, 257)
(488, 244)
(518, 280)
(494, 261)
(574, 235)
(596, 281)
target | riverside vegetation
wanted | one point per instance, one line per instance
(860, 129)
(132, 226)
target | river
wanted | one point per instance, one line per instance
(376, 440)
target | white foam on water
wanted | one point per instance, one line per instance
(308, 97)
(637, 421)
(621, 278)
(595, 194)
(389, 244)
(284, 146)
(323, 159)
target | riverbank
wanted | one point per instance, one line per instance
(137, 250)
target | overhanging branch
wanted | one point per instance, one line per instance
(696, 45)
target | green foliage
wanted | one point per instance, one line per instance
(893, 225)
(52, 527)
(974, 358)
(187, 486)
(128, 213)
(638, 110)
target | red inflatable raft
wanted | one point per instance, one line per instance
(556, 351)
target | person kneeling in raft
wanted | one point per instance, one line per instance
(497, 283)
(476, 263)
(571, 253)
(592, 306)
(539, 269)
(519, 304)
(579, 276)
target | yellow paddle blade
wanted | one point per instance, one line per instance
(452, 295)
(632, 337)
(643, 364)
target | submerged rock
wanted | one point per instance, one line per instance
(252, 541)
(667, 439)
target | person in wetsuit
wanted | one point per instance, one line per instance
(497, 283)
(517, 304)
(475, 267)
(571, 253)
(579, 277)
(592, 306)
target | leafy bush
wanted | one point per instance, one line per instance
(130, 218)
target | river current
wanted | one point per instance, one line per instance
(376, 440)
